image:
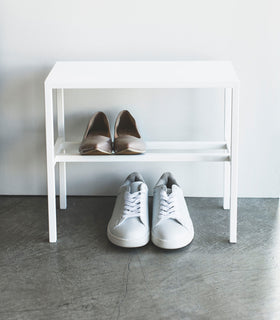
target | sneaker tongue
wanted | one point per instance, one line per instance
(165, 189)
(175, 188)
(135, 186)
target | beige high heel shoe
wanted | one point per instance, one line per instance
(97, 137)
(127, 138)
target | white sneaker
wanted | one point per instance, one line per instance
(172, 226)
(129, 224)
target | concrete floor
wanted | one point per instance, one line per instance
(84, 276)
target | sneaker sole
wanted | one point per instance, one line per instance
(126, 243)
(164, 244)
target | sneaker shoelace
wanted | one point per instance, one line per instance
(132, 205)
(167, 207)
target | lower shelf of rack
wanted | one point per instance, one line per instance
(157, 151)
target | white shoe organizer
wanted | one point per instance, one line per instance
(179, 74)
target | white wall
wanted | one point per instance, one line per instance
(35, 34)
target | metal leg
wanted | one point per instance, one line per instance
(227, 126)
(50, 164)
(62, 165)
(234, 164)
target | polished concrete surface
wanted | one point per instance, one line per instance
(84, 276)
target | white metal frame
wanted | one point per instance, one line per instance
(183, 74)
